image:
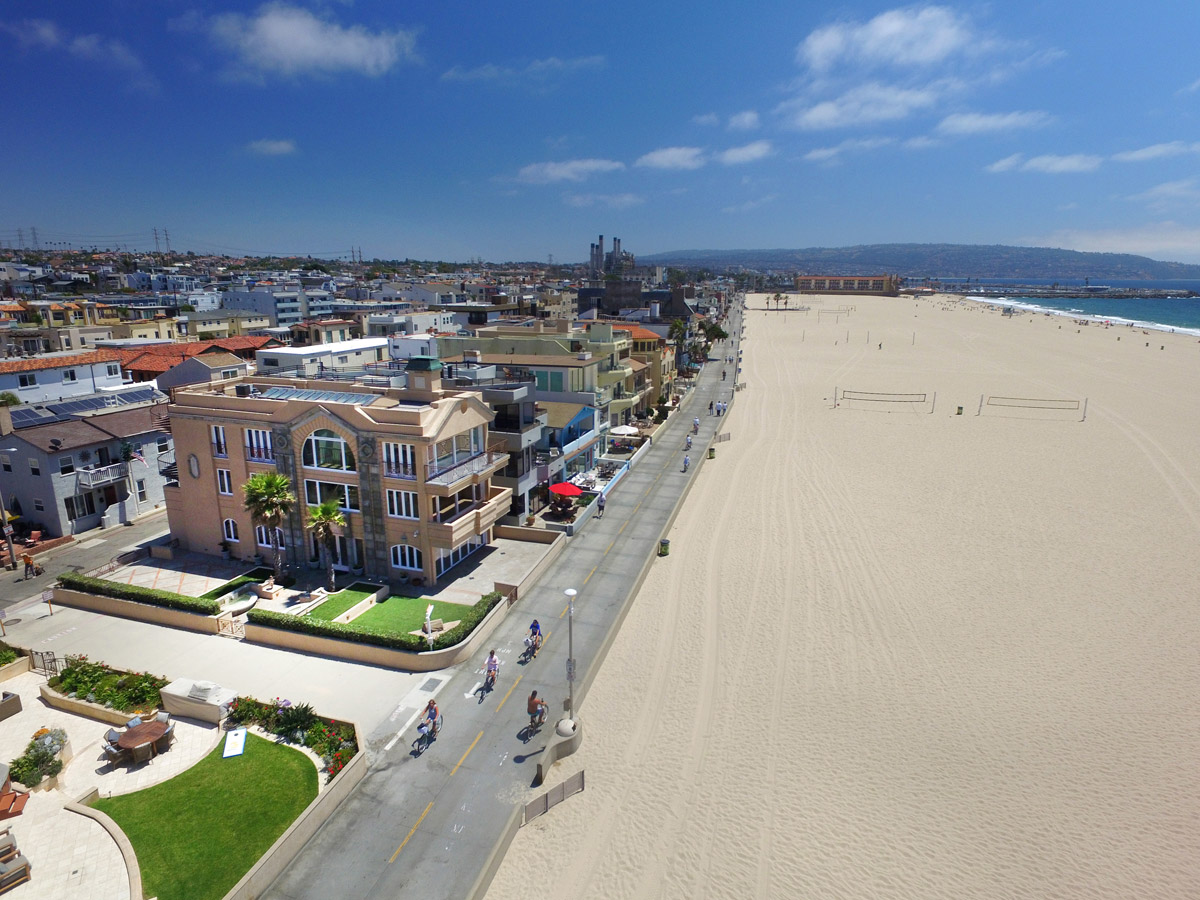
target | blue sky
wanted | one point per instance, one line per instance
(513, 131)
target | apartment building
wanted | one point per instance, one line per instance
(283, 305)
(411, 468)
(57, 376)
(888, 285)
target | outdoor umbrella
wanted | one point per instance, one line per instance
(623, 430)
(566, 489)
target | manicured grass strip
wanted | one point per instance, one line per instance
(338, 603)
(398, 615)
(196, 835)
(255, 577)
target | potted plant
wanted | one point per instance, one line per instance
(225, 551)
(530, 519)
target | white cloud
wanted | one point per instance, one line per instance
(707, 119)
(923, 36)
(267, 147)
(539, 70)
(990, 123)
(567, 170)
(1060, 165)
(673, 158)
(286, 40)
(1157, 151)
(1191, 88)
(750, 205)
(921, 142)
(1005, 165)
(853, 145)
(1158, 240)
(1185, 192)
(43, 34)
(747, 153)
(744, 121)
(863, 105)
(612, 201)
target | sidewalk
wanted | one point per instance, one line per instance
(428, 825)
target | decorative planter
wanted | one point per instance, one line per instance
(91, 710)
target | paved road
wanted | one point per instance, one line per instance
(90, 550)
(425, 825)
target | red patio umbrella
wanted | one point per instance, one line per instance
(566, 489)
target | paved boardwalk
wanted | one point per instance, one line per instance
(425, 825)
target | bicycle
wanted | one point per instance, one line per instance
(427, 735)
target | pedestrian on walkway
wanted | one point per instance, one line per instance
(600, 507)
(722, 374)
(710, 407)
(687, 461)
(30, 568)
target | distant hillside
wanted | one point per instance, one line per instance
(945, 261)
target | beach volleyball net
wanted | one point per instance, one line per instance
(1054, 408)
(885, 401)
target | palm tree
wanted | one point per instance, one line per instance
(326, 522)
(677, 334)
(269, 499)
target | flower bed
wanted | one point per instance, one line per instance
(132, 692)
(137, 594)
(333, 741)
(7, 654)
(41, 758)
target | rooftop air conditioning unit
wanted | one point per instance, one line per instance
(584, 354)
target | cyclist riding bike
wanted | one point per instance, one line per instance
(491, 669)
(537, 710)
(430, 719)
(535, 637)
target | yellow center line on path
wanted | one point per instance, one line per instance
(622, 529)
(585, 581)
(410, 833)
(614, 540)
(513, 688)
(469, 749)
(568, 606)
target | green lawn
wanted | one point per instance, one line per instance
(256, 576)
(398, 615)
(196, 835)
(340, 602)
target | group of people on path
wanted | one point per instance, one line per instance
(719, 405)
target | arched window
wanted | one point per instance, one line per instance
(263, 537)
(325, 449)
(231, 531)
(405, 556)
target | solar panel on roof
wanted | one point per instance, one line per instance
(283, 393)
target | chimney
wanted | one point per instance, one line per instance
(424, 378)
(6, 426)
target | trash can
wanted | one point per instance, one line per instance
(712, 452)
(664, 547)
(959, 413)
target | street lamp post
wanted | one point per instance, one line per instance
(567, 725)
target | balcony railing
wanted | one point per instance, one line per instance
(392, 470)
(220, 450)
(260, 454)
(448, 472)
(90, 478)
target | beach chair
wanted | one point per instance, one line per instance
(163, 744)
(14, 872)
(134, 722)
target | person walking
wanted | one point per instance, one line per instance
(710, 407)
(600, 507)
(30, 568)
(687, 461)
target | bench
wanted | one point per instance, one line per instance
(268, 590)
(433, 626)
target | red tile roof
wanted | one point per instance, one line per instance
(38, 363)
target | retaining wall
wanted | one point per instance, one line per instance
(143, 612)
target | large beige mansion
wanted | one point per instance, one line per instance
(412, 469)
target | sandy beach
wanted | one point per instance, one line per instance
(898, 652)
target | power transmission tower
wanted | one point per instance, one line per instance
(20, 238)
(33, 231)
(156, 251)
(167, 238)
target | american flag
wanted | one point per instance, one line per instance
(137, 454)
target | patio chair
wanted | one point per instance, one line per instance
(163, 744)
(33, 539)
(143, 753)
(8, 846)
(134, 722)
(115, 755)
(15, 871)
(162, 716)
(112, 736)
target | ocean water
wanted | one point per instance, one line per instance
(1161, 313)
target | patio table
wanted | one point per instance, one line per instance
(141, 735)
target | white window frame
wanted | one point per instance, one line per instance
(224, 482)
(66, 465)
(406, 557)
(230, 529)
(114, 370)
(26, 380)
(69, 376)
(38, 505)
(35, 467)
(315, 489)
(140, 487)
(404, 504)
(262, 537)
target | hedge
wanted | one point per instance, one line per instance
(137, 594)
(412, 643)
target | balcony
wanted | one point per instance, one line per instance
(91, 478)
(260, 455)
(517, 436)
(448, 475)
(221, 451)
(393, 470)
(472, 521)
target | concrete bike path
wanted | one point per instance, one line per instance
(428, 825)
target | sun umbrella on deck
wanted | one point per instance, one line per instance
(623, 430)
(566, 489)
